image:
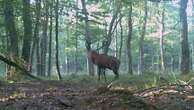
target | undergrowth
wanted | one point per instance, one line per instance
(139, 82)
(143, 81)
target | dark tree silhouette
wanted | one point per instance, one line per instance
(185, 57)
(90, 66)
(27, 31)
(56, 38)
(141, 43)
(129, 40)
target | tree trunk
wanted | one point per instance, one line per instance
(11, 33)
(130, 71)
(191, 58)
(38, 58)
(172, 63)
(185, 57)
(50, 40)
(76, 39)
(121, 41)
(90, 66)
(8, 49)
(116, 43)
(179, 65)
(27, 31)
(67, 63)
(57, 40)
(141, 43)
(158, 63)
(192, 54)
(108, 40)
(153, 67)
(10, 27)
(161, 31)
(44, 39)
(67, 53)
(35, 43)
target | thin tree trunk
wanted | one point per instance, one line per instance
(153, 63)
(67, 63)
(76, 39)
(185, 57)
(158, 64)
(161, 31)
(67, 54)
(130, 70)
(108, 40)
(38, 58)
(126, 60)
(26, 49)
(191, 59)
(44, 39)
(192, 54)
(66, 71)
(90, 66)
(50, 40)
(8, 49)
(56, 38)
(121, 41)
(141, 43)
(172, 63)
(116, 43)
(179, 65)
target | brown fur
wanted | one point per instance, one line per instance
(104, 61)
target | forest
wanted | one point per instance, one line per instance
(96, 55)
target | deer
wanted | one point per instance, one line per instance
(103, 62)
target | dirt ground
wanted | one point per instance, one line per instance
(55, 95)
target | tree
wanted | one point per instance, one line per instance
(44, 38)
(12, 35)
(10, 27)
(185, 57)
(161, 36)
(35, 43)
(50, 39)
(90, 66)
(121, 41)
(27, 31)
(76, 38)
(129, 39)
(141, 42)
(56, 38)
(112, 27)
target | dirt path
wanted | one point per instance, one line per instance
(54, 95)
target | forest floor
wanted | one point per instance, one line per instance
(87, 95)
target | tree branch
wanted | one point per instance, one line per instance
(12, 63)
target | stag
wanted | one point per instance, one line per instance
(103, 61)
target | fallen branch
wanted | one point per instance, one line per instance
(21, 68)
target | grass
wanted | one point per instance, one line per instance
(144, 81)
(139, 82)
